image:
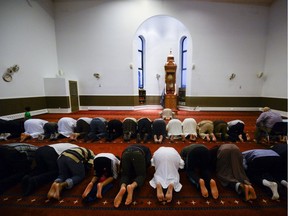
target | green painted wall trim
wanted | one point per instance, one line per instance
(273, 103)
(57, 102)
(107, 100)
(17, 105)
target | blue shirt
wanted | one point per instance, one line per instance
(268, 119)
(250, 155)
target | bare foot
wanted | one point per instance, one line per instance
(130, 190)
(213, 138)
(160, 194)
(99, 190)
(252, 193)
(160, 140)
(87, 190)
(119, 197)
(169, 193)
(183, 139)
(58, 188)
(214, 189)
(283, 138)
(24, 137)
(203, 188)
(248, 137)
(246, 190)
(51, 191)
(207, 137)
(192, 138)
(76, 136)
(155, 139)
(72, 137)
(240, 138)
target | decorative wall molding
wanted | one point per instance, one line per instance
(121, 107)
(21, 115)
(60, 110)
(147, 107)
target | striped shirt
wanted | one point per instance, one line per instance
(80, 154)
(25, 148)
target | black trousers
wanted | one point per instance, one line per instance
(14, 127)
(13, 166)
(236, 130)
(264, 168)
(46, 168)
(82, 127)
(198, 166)
(133, 167)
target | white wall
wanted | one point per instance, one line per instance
(98, 37)
(56, 87)
(162, 34)
(275, 73)
(227, 38)
(27, 38)
(94, 39)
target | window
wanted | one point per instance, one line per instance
(183, 57)
(140, 62)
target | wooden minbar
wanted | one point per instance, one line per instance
(170, 83)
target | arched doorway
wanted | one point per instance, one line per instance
(161, 34)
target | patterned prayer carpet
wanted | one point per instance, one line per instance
(188, 201)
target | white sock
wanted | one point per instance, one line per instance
(284, 183)
(274, 188)
(237, 187)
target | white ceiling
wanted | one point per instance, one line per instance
(266, 3)
(252, 2)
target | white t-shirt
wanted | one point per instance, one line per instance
(167, 161)
(189, 126)
(174, 127)
(114, 160)
(60, 147)
(34, 127)
(66, 126)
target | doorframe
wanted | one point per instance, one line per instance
(74, 104)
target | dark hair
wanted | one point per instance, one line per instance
(27, 108)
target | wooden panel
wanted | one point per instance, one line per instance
(274, 103)
(17, 105)
(108, 100)
(171, 102)
(57, 102)
(74, 96)
(142, 96)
